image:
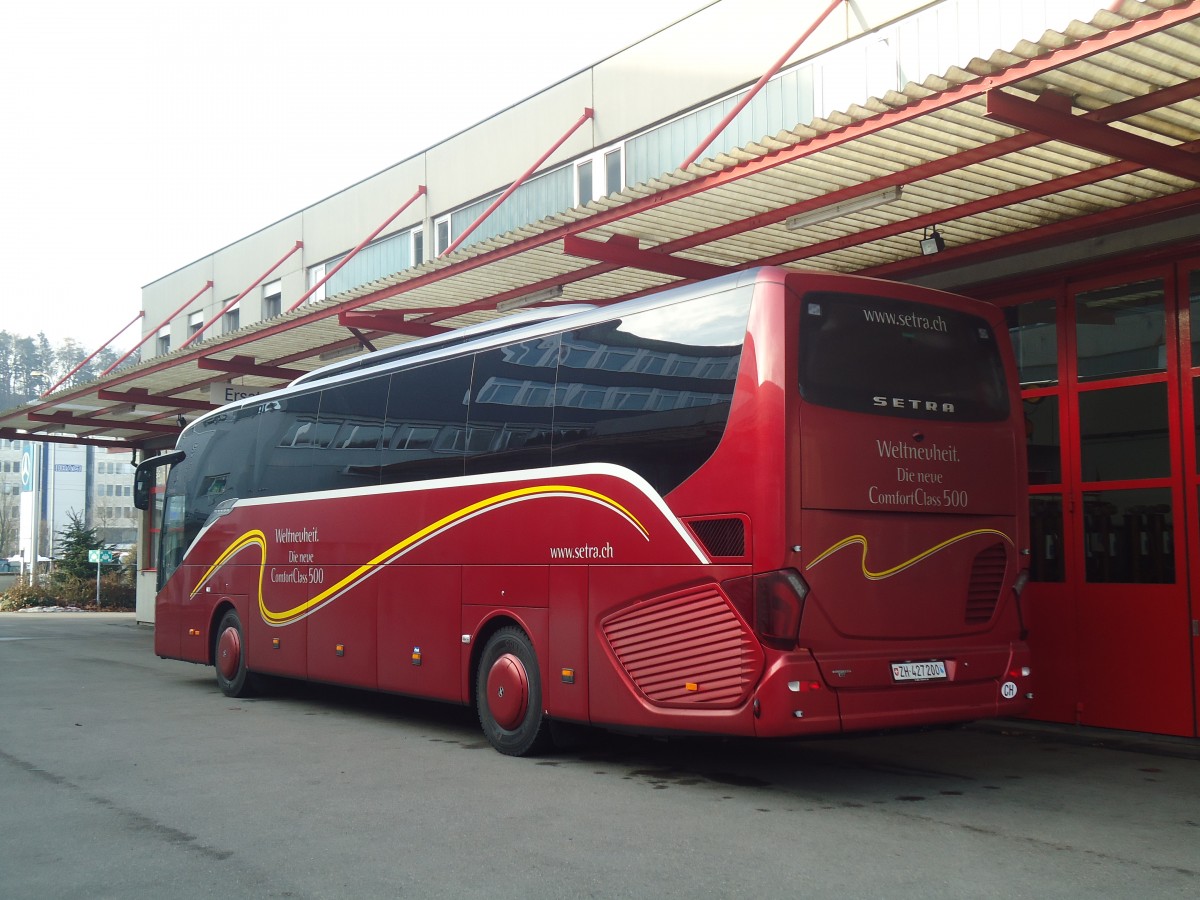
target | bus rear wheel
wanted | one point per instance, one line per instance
(229, 656)
(508, 694)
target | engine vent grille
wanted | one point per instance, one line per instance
(987, 577)
(720, 537)
(687, 649)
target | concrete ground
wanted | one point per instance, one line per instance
(123, 775)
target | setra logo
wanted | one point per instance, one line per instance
(910, 404)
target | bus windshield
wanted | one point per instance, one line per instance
(881, 355)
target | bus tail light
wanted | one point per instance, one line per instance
(772, 603)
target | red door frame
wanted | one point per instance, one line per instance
(1117, 655)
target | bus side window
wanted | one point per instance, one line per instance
(427, 422)
(352, 415)
(286, 445)
(512, 405)
(651, 391)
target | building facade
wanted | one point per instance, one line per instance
(1042, 155)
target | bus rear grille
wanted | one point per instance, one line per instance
(688, 649)
(720, 537)
(987, 577)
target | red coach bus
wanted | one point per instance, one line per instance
(775, 504)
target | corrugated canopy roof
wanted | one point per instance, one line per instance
(1077, 133)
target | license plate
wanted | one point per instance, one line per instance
(932, 670)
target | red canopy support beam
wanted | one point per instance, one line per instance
(420, 192)
(152, 332)
(624, 251)
(392, 321)
(66, 419)
(92, 356)
(587, 114)
(142, 397)
(238, 299)
(244, 365)
(1078, 131)
(758, 86)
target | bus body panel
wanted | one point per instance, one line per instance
(627, 595)
(420, 623)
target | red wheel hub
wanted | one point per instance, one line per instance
(508, 691)
(229, 653)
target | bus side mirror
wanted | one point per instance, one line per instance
(144, 476)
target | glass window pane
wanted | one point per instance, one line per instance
(1043, 441)
(1128, 537)
(1034, 336)
(663, 426)
(1123, 433)
(1046, 537)
(1194, 294)
(1121, 330)
(427, 419)
(510, 414)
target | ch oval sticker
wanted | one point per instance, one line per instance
(1008, 690)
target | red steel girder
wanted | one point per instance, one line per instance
(244, 365)
(1080, 132)
(389, 320)
(142, 397)
(624, 251)
(68, 420)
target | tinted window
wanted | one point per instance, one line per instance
(652, 390)
(894, 358)
(352, 428)
(216, 470)
(426, 422)
(512, 406)
(289, 434)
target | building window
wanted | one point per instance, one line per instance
(613, 181)
(418, 246)
(232, 320)
(583, 183)
(442, 227)
(163, 344)
(195, 322)
(272, 302)
(315, 274)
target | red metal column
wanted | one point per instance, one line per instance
(238, 299)
(758, 86)
(587, 114)
(152, 332)
(89, 358)
(353, 253)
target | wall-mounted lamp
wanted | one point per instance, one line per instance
(932, 242)
(845, 208)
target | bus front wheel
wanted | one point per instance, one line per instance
(229, 656)
(508, 694)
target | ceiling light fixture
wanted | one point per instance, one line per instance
(542, 296)
(845, 208)
(932, 242)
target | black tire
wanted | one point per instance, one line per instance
(229, 657)
(508, 695)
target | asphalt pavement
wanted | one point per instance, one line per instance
(123, 775)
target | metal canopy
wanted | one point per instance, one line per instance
(1081, 132)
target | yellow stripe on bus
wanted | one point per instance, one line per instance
(888, 573)
(257, 538)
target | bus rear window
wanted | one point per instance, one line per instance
(893, 357)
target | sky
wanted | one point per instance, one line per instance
(140, 136)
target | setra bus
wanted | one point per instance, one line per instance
(774, 504)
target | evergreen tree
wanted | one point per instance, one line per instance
(76, 540)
